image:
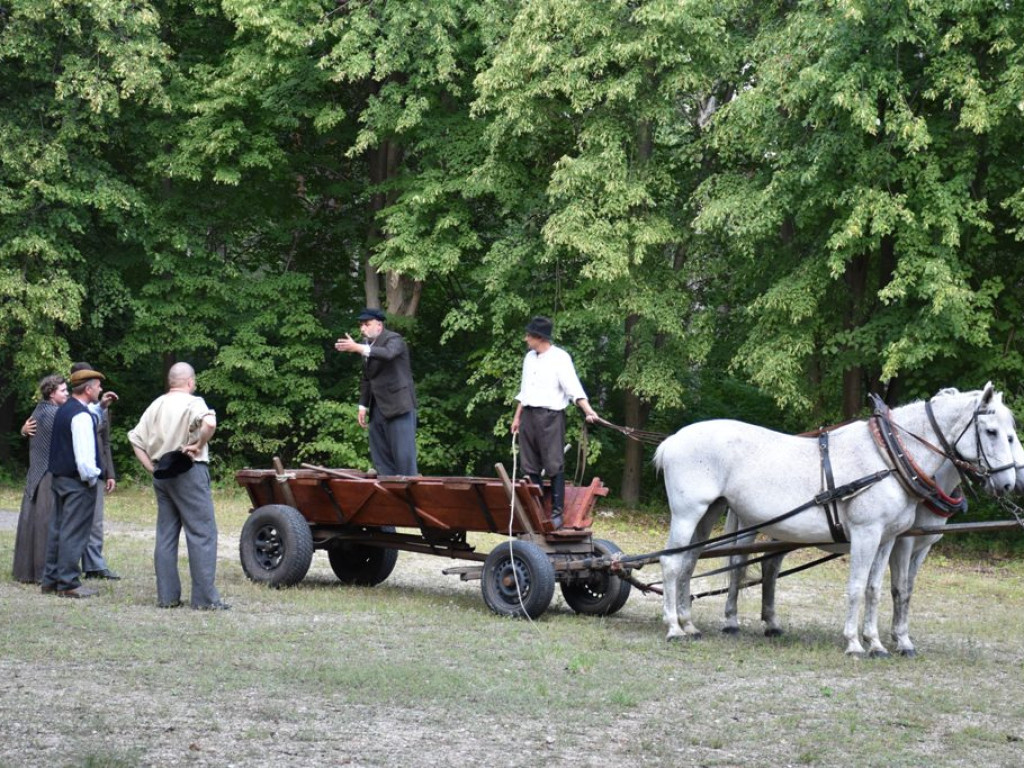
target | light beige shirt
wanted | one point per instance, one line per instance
(171, 422)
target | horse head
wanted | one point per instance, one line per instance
(979, 436)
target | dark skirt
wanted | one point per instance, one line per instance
(33, 526)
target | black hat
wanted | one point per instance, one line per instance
(541, 327)
(371, 314)
(172, 464)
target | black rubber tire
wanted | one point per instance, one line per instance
(518, 580)
(603, 593)
(361, 565)
(276, 546)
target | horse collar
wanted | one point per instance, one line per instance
(912, 477)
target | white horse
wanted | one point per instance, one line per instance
(905, 561)
(762, 475)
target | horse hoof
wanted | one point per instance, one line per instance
(878, 655)
(683, 638)
(773, 632)
(908, 653)
(855, 654)
(731, 631)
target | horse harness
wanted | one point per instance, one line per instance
(911, 476)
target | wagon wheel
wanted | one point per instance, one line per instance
(600, 594)
(362, 565)
(276, 546)
(518, 580)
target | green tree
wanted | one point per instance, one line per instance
(866, 198)
(75, 74)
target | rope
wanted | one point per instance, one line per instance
(511, 517)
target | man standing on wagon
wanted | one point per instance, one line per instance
(387, 395)
(549, 384)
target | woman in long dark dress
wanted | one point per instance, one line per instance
(37, 503)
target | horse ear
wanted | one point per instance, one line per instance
(987, 393)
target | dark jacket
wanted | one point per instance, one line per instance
(62, 449)
(387, 377)
(103, 445)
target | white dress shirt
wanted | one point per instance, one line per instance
(83, 441)
(549, 380)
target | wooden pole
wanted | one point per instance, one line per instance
(510, 491)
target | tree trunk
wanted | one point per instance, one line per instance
(636, 416)
(383, 164)
(853, 377)
(7, 424)
(636, 413)
(403, 295)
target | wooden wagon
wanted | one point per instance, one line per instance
(363, 521)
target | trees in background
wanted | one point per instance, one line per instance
(729, 209)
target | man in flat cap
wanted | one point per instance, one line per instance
(549, 385)
(75, 465)
(387, 395)
(94, 564)
(171, 441)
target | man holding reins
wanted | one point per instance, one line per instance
(549, 385)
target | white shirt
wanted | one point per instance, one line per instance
(83, 442)
(549, 380)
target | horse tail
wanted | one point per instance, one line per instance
(659, 457)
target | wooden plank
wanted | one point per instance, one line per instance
(517, 506)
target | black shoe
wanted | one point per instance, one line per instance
(78, 593)
(220, 605)
(106, 573)
(48, 589)
(175, 604)
(556, 518)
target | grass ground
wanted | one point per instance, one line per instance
(418, 672)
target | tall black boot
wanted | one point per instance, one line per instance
(557, 498)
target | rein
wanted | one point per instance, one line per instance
(641, 436)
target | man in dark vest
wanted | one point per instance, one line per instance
(75, 466)
(386, 394)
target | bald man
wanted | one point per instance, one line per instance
(171, 441)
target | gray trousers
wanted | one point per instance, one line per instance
(393, 443)
(185, 502)
(74, 503)
(92, 558)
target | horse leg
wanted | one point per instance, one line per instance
(863, 548)
(899, 573)
(677, 571)
(680, 534)
(770, 569)
(910, 560)
(873, 592)
(738, 564)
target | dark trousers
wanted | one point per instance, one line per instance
(542, 449)
(393, 443)
(74, 504)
